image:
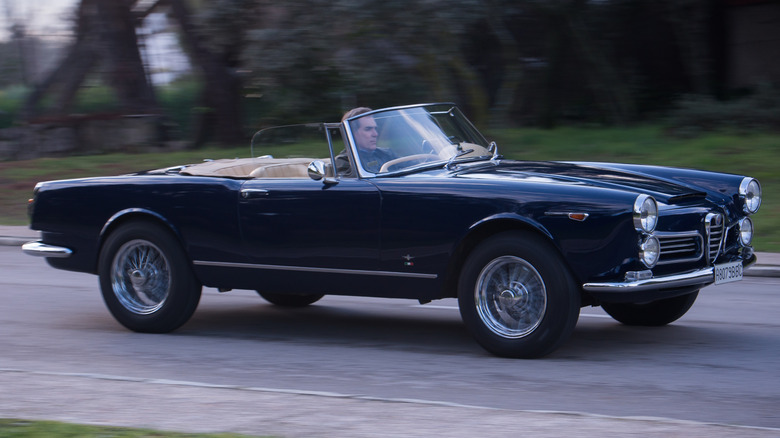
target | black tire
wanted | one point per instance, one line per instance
(290, 300)
(653, 314)
(146, 279)
(517, 297)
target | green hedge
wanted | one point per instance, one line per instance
(757, 112)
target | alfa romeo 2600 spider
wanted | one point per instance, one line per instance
(406, 202)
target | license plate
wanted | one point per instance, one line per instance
(728, 272)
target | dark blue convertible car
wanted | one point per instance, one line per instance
(406, 202)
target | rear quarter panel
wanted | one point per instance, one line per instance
(79, 213)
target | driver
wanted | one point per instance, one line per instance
(364, 131)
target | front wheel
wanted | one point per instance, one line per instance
(516, 296)
(146, 280)
(652, 314)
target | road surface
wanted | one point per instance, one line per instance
(376, 367)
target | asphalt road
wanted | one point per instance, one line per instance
(372, 367)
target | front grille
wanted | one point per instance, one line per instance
(716, 230)
(680, 247)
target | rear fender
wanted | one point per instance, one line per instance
(131, 214)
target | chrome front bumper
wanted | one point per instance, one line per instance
(701, 277)
(38, 249)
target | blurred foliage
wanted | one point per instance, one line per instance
(11, 99)
(507, 63)
(10, 66)
(759, 111)
(179, 102)
(96, 98)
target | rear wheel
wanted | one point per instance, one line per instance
(517, 297)
(655, 313)
(146, 280)
(290, 300)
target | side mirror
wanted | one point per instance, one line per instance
(316, 170)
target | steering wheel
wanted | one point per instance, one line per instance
(399, 160)
(427, 147)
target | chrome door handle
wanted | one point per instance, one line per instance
(253, 193)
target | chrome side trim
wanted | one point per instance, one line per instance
(312, 269)
(39, 249)
(701, 277)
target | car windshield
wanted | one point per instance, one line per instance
(381, 142)
(398, 139)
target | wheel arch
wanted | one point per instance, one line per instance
(136, 214)
(484, 229)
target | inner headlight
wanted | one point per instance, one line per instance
(650, 251)
(745, 231)
(750, 192)
(645, 213)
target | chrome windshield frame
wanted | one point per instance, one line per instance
(361, 172)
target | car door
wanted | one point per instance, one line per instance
(298, 232)
(303, 223)
(306, 236)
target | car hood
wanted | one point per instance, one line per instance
(591, 174)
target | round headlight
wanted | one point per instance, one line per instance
(750, 192)
(745, 231)
(645, 213)
(650, 251)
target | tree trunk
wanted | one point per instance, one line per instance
(105, 32)
(126, 72)
(221, 95)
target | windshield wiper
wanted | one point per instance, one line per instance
(461, 152)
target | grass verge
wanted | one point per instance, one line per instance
(755, 155)
(13, 428)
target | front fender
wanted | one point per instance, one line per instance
(519, 221)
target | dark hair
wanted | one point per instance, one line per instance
(355, 112)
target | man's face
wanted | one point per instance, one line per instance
(365, 134)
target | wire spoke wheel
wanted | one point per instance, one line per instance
(140, 277)
(146, 279)
(516, 295)
(511, 297)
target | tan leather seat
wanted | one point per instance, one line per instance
(243, 167)
(281, 170)
(226, 167)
